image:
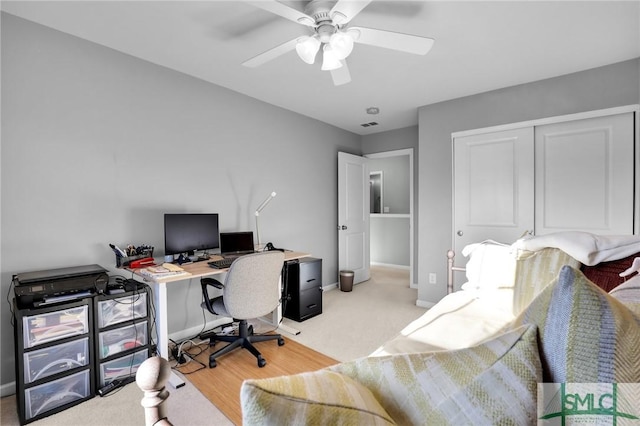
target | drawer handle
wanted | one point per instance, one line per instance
(312, 279)
(313, 305)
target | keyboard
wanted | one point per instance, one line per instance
(221, 264)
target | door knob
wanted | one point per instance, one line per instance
(343, 227)
(460, 233)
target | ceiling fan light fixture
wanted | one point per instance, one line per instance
(330, 61)
(354, 33)
(307, 49)
(341, 44)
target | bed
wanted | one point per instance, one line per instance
(559, 308)
(501, 281)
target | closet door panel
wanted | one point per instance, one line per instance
(493, 186)
(584, 176)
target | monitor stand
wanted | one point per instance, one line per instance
(182, 259)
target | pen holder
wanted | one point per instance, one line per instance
(122, 262)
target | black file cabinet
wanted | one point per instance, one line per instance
(303, 288)
(123, 331)
(54, 358)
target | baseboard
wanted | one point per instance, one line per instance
(7, 389)
(391, 265)
(425, 304)
(189, 333)
(329, 287)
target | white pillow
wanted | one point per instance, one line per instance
(491, 266)
(587, 248)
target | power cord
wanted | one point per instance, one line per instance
(177, 355)
(185, 355)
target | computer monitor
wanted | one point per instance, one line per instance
(189, 232)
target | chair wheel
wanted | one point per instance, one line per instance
(280, 341)
(212, 363)
(261, 362)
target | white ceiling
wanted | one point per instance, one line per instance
(479, 46)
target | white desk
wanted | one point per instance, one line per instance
(193, 270)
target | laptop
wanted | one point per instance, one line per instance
(235, 244)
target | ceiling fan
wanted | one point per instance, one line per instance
(328, 20)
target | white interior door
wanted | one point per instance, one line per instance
(353, 215)
(584, 176)
(493, 188)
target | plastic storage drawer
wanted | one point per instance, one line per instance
(122, 367)
(122, 339)
(55, 359)
(43, 328)
(121, 309)
(46, 397)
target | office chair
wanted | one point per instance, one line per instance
(251, 290)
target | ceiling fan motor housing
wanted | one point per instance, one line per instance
(325, 31)
(319, 9)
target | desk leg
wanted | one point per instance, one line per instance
(162, 328)
(278, 318)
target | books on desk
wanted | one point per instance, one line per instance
(162, 271)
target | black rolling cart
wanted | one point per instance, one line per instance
(303, 288)
(54, 357)
(122, 337)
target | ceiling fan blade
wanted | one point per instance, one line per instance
(392, 40)
(341, 75)
(271, 54)
(285, 11)
(345, 10)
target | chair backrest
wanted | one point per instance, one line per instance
(252, 286)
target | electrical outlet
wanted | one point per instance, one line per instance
(432, 277)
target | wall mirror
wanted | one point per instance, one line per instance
(375, 189)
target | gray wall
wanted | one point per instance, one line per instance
(605, 87)
(395, 182)
(389, 241)
(97, 145)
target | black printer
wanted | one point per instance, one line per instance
(56, 285)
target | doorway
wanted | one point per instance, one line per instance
(391, 218)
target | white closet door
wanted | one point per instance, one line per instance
(584, 176)
(493, 187)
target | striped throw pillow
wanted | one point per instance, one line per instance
(321, 397)
(586, 335)
(492, 383)
(535, 271)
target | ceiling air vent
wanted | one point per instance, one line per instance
(373, 123)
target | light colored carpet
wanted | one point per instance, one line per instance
(352, 325)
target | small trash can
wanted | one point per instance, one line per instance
(346, 280)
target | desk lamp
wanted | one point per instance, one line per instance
(258, 210)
